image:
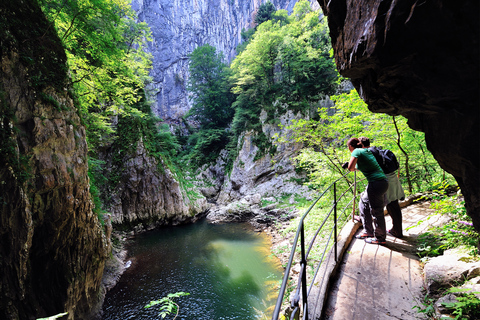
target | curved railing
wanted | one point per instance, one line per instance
(299, 301)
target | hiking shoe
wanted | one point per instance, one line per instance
(363, 235)
(375, 241)
(393, 234)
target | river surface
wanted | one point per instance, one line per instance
(227, 269)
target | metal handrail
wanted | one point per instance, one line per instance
(302, 279)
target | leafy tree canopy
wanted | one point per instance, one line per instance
(212, 105)
(209, 85)
(287, 60)
(108, 66)
(264, 13)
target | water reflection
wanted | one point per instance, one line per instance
(227, 269)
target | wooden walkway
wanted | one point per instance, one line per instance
(371, 281)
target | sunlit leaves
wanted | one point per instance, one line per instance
(325, 140)
(287, 60)
(167, 305)
(108, 66)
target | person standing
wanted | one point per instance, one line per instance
(394, 193)
(372, 199)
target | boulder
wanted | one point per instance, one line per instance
(448, 270)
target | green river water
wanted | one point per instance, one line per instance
(227, 269)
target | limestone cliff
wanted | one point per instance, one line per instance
(147, 196)
(420, 59)
(178, 27)
(257, 184)
(52, 247)
(272, 175)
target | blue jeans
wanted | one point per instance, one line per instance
(371, 207)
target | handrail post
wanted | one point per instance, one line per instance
(304, 274)
(354, 194)
(335, 219)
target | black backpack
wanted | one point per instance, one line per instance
(386, 159)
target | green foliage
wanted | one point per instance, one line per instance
(264, 145)
(108, 66)
(429, 245)
(208, 83)
(207, 144)
(97, 179)
(467, 305)
(212, 106)
(281, 17)
(264, 13)
(458, 232)
(246, 37)
(325, 141)
(288, 61)
(140, 123)
(301, 9)
(167, 305)
(427, 308)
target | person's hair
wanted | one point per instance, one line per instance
(364, 141)
(354, 142)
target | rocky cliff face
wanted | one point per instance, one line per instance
(271, 175)
(420, 60)
(255, 186)
(178, 27)
(52, 247)
(147, 197)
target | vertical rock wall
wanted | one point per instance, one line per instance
(150, 196)
(52, 247)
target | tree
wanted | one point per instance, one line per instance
(108, 66)
(301, 9)
(288, 61)
(212, 104)
(209, 85)
(307, 69)
(246, 37)
(264, 13)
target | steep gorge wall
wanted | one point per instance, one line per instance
(420, 59)
(178, 27)
(52, 247)
(149, 196)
